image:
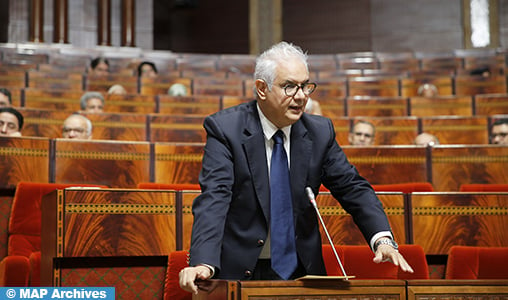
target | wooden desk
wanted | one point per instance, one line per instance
(305, 290)
(457, 289)
(90, 233)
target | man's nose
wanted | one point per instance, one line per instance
(4, 128)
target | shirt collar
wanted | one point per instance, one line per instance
(269, 129)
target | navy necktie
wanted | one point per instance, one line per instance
(282, 243)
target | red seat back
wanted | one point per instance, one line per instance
(472, 262)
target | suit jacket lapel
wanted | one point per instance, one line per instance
(301, 152)
(254, 147)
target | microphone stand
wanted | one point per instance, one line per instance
(312, 200)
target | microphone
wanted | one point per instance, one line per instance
(312, 200)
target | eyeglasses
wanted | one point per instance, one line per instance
(77, 130)
(359, 134)
(501, 135)
(307, 88)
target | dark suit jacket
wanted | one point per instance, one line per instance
(231, 215)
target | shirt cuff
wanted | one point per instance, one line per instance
(212, 268)
(379, 235)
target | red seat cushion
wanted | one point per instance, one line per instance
(469, 262)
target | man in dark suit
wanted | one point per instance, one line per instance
(231, 230)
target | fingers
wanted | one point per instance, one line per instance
(189, 275)
(387, 253)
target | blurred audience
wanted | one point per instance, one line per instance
(426, 139)
(117, 89)
(427, 90)
(77, 126)
(313, 107)
(92, 102)
(99, 66)
(177, 89)
(480, 71)
(147, 69)
(11, 122)
(362, 134)
(5, 97)
(499, 132)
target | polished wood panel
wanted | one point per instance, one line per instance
(103, 83)
(373, 86)
(178, 162)
(110, 163)
(473, 85)
(310, 289)
(160, 85)
(457, 129)
(455, 165)
(442, 220)
(177, 128)
(216, 86)
(50, 99)
(409, 86)
(343, 230)
(43, 123)
(119, 127)
(389, 164)
(377, 106)
(491, 104)
(130, 103)
(342, 128)
(332, 107)
(190, 105)
(456, 289)
(23, 159)
(441, 106)
(55, 80)
(395, 130)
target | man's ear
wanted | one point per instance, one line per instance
(261, 88)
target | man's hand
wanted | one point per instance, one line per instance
(189, 276)
(388, 253)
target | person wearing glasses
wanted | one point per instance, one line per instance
(362, 134)
(232, 234)
(499, 132)
(77, 126)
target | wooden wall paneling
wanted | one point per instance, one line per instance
(342, 229)
(187, 217)
(130, 103)
(458, 164)
(490, 104)
(330, 87)
(217, 86)
(49, 99)
(442, 220)
(161, 84)
(119, 127)
(12, 77)
(342, 126)
(373, 86)
(441, 106)
(457, 129)
(55, 80)
(395, 130)
(43, 123)
(473, 85)
(110, 163)
(177, 128)
(389, 164)
(409, 86)
(229, 101)
(23, 159)
(189, 105)
(103, 83)
(368, 106)
(178, 162)
(332, 107)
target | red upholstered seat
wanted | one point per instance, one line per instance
(177, 261)
(473, 262)
(21, 266)
(484, 187)
(169, 186)
(357, 261)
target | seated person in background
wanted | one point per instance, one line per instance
(362, 134)
(92, 102)
(313, 107)
(11, 122)
(117, 89)
(481, 71)
(427, 90)
(77, 126)
(5, 98)
(426, 139)
(99, 66)
(499, 132)
(147, 69)
(177, 89)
